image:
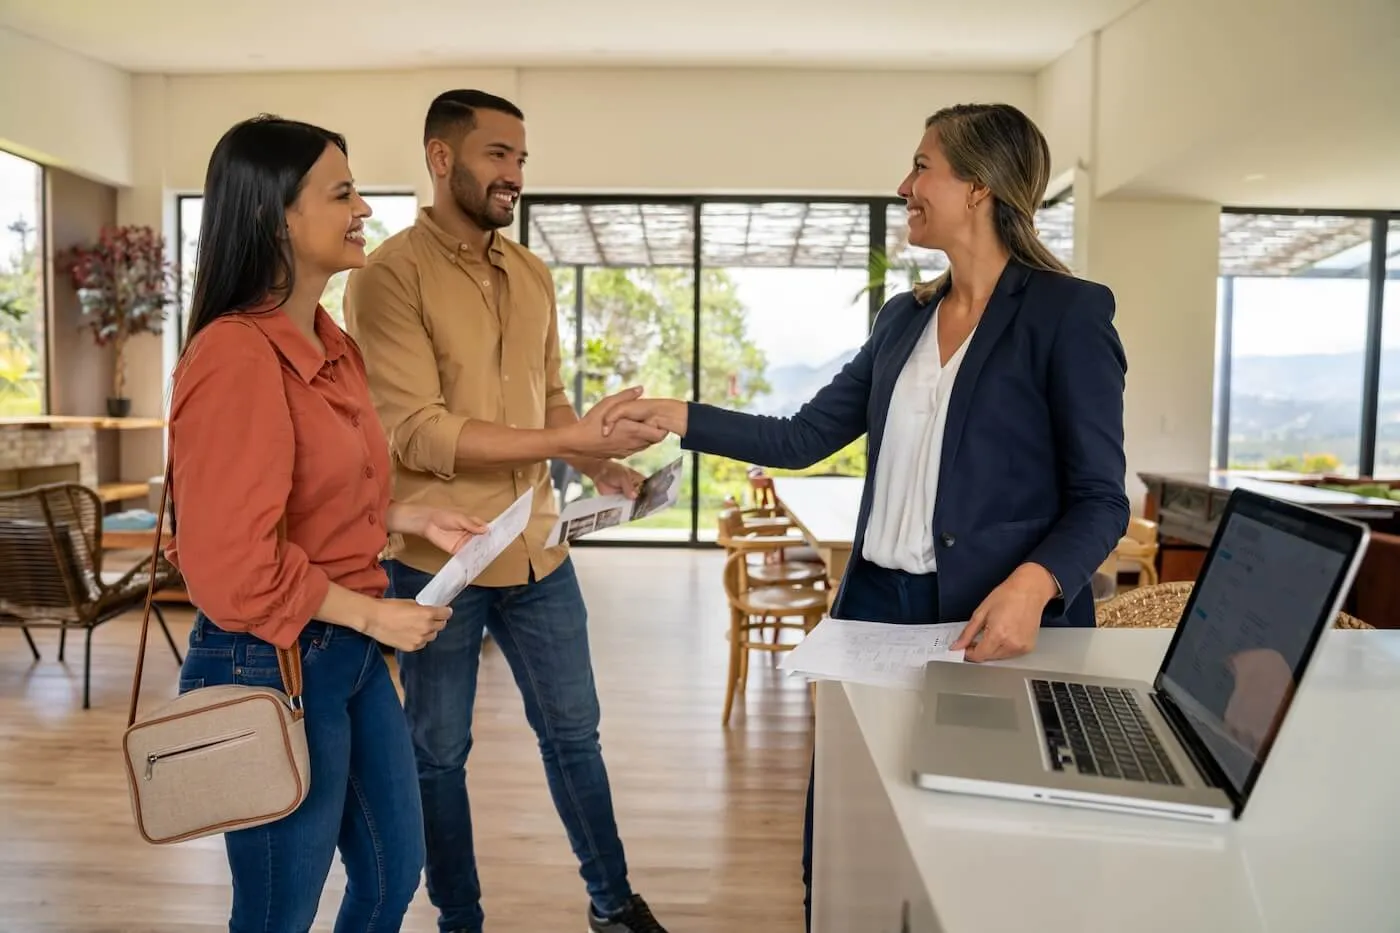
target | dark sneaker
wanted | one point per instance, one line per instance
(635, 918)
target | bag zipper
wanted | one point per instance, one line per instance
(153, 757)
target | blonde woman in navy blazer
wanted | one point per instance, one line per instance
(993, 401)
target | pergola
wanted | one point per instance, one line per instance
(836, 235)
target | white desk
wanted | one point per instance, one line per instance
(1309, 855)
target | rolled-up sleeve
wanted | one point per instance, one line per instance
(232, 450)
(384, 316)
(556, 396)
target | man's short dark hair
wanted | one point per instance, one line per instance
(452, 114)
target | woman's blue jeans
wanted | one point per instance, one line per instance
(363, 798)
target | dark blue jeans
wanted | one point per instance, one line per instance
(361, 798)
(873, 594)
(541, 628)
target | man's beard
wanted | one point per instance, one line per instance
(476, 203)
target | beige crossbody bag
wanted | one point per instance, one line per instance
(216, 758)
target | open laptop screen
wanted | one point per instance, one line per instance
(1267, 591)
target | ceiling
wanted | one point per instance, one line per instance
(190, 36)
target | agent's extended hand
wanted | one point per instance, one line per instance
(668, 414)
(589, 439)
(1008, 620)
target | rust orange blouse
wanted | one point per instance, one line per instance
(261, 425)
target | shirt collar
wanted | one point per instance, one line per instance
(456, 245)
(293, 345)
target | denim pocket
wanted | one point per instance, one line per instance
(190, 683)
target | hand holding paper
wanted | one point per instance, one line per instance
(477, 554)
(880, 653)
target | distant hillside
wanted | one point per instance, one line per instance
(1280, 405)
(795, 384)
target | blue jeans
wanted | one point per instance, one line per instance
(541, 628)
(874, 594)
(361, 798)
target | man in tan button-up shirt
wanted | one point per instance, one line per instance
(459, 332)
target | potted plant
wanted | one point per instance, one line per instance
(124, 285)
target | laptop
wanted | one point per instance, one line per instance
(1192, 743)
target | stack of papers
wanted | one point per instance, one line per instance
(478, 554)
(879, 653)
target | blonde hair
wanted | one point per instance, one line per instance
(1000, 147)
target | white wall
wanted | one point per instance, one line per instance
(639, 130)
(1161, 258)
(65, 110)
(1179, 77)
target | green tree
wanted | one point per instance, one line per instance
(638, 329)
(21, 309)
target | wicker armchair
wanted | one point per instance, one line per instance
(1160, 606)
(51, 552)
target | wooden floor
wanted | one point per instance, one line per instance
(711, 817)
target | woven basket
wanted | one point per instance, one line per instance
(1160, 606)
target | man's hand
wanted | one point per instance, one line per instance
(612, 478)
(668, 414)
(1009, 618)
(586, 438)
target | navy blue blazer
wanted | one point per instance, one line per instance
(1032, 464)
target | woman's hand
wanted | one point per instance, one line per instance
(1009, 618)
(447, 529)
(405, 625)
(450, 530)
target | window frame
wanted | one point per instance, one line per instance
(1377, 275)
(875, 296)
(46, 281)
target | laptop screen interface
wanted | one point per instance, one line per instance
(1258, 607)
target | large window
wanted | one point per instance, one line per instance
(391, 213)
(1305, 380)
(786, 292)
(23, 316)
(1388, 407)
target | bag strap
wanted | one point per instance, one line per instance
(288, 660)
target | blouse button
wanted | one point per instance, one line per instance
(369, 472)
(355, 420)
(372, 518)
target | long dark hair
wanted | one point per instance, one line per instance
(255, 174)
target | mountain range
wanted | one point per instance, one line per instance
(1279, 405)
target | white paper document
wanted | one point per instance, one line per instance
(478, 553)
(880, 653)
(660, 490)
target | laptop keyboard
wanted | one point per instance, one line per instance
(1100, 731)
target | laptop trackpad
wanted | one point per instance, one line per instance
(976, 711)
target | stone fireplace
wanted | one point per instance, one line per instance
(30, 457)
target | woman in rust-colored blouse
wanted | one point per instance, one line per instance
(280, 482)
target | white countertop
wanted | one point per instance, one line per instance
(1310, 853)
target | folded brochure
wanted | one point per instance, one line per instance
(478, 554)
(659, 491)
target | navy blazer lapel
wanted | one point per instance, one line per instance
(898, 349)
(1001, 308)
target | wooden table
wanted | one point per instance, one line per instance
(1187, 507)
(825, 509)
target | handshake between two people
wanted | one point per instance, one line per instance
(625, 423)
